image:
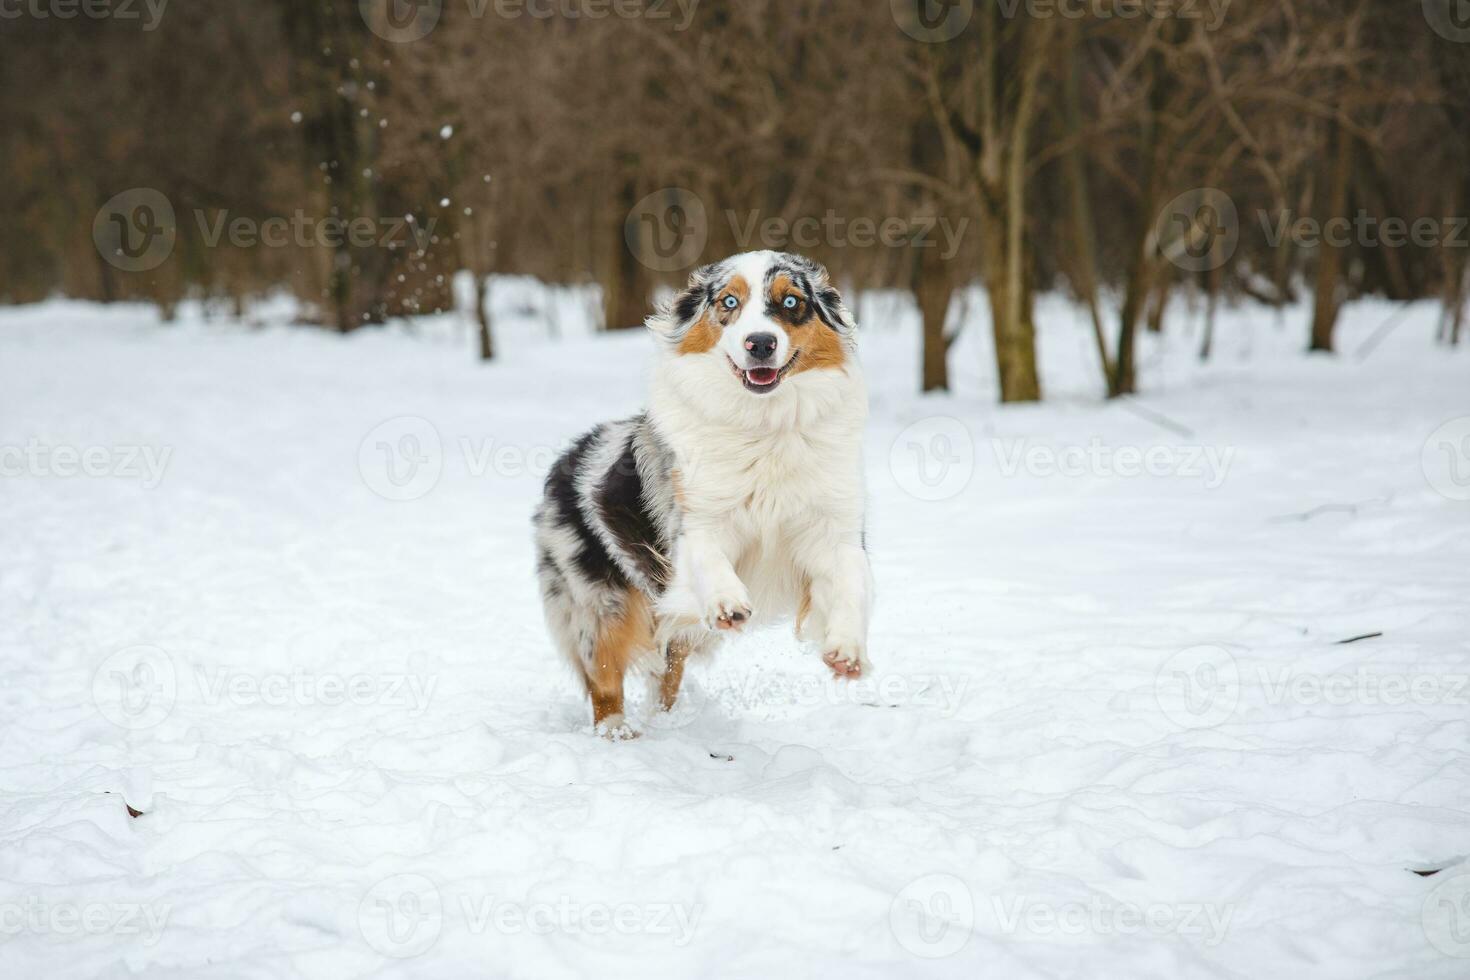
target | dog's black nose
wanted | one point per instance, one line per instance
(761, 345)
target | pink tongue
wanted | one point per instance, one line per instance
(761, 376)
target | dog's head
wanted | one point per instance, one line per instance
(764, 319)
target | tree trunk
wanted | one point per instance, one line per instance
(1329, 256)
(1135, 293)
(328, 43)
(1012, 327)
(1457, 322)
(626, 283)
(1452, 273)
(482, 316)
(1002, 176)
(1212, 284)
(1159, 305)
(1124, 372)
(932, 291)
(1083, 233)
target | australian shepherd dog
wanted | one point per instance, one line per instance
(736, 499)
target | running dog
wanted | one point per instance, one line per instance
(736, 499)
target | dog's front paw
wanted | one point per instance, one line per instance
(615, 728)
(727, 612)
(846, 660)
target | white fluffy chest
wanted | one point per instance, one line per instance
(766, 484)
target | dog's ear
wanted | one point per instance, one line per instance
(827, 302)
(673, 318)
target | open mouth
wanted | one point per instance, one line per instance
(764, 380)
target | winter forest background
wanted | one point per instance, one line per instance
(1121, 152)
(300, 300)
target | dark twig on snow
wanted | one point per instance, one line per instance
(1350, 509)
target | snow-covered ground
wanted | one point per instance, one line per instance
(291, 617)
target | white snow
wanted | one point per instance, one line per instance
(1112, 732)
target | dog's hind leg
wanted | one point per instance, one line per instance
(676, 652)
(621, 640)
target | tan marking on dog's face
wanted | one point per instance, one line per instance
(705, 333)
(819, 345)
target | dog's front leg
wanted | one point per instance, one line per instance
(841, 597)
(705, 587)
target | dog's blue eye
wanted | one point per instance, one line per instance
(789, 302)
(731, 302)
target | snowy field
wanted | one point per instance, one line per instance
(273, 590)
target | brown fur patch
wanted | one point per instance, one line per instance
(705, 333)
(819, 344)
(618, 645)
(804, 605)
(668, 688)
